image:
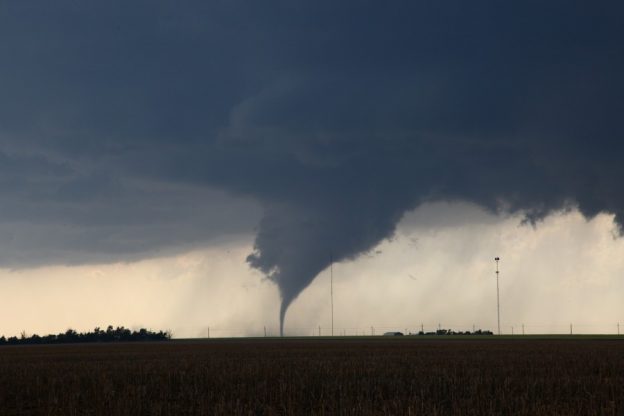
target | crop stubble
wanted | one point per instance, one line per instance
(316, 376)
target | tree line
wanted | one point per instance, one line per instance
(451, 332)
(119, 334)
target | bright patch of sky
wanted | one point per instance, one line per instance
(565, 271)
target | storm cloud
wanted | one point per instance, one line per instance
(132, 128)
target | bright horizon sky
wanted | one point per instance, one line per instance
(565, 270)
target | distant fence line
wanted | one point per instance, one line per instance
(196, 331)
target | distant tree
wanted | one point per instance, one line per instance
(97, 335)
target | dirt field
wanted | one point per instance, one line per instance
(316, 376)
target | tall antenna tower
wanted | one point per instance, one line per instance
(497, 259)
(331, 289)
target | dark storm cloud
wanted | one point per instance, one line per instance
(336, 117)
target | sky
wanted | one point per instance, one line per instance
(198, 166)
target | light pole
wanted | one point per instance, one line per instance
(497, 259)
(331, 289)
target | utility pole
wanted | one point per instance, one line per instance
(208, 332)
(497, 259)
(618, 328)
(265, 331)
(522, 329)
(422, 328)
(319, 330)
(570, 329)
(331, 290)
